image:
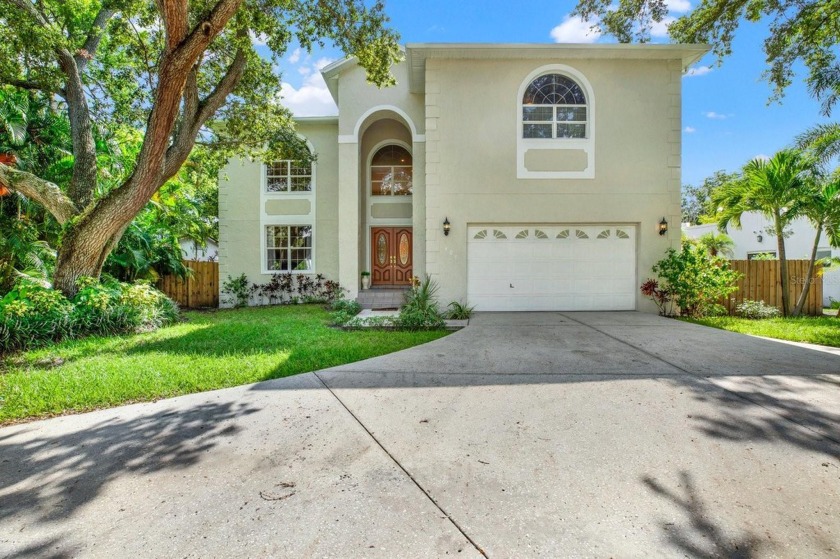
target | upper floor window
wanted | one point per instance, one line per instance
(391, 172)
(288, 176)
(554, 106)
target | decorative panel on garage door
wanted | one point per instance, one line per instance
(552, 267)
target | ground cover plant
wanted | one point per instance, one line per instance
(824, 330)
(208, 350)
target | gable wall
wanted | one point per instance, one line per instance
(471, 150)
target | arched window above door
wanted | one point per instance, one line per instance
(391, 172)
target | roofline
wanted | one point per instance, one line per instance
(325, 118)
(417, 53)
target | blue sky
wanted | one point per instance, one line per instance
(726, 116)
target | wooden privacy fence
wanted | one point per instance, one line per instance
(200, 289)
(760, 281)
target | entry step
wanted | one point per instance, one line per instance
(378, 298)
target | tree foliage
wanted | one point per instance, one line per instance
(697, 200)
(777, 188)
(800, 32)
(185, 73)
(693, 279)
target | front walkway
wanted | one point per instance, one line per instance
(525, 434)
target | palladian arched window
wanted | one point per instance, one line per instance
(391, 172)
(554, 106)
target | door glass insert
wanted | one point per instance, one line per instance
(381, 249)
(404, 249)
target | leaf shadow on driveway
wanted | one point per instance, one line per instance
(772, 409)
(701, 538)
(48, 478)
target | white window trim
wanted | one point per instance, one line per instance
(587, 144)
(309, 219)
(264, 248)
(378, 198)
(287, 193)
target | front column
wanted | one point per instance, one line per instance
(348, 217)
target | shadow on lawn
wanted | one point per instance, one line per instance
(48, 478)
(701, 538)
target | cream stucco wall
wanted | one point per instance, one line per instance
(471, 149)
(463, 136)
(244, 209)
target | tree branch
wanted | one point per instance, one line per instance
(32, 86)
(44, 192)
(175, 68)
(197, 114)
(88, 51)
(81, 130)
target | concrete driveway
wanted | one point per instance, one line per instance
(524, 435)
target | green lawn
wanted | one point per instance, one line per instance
(209, 350)
(823, 330)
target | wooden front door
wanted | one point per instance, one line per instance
(390, 254)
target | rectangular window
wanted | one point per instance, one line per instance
(768, 255)
(554, 121)
(288, 176)
(289, 248)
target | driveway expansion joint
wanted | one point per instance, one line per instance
(404, 470)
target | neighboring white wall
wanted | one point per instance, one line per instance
(798, 244)
(191, 250)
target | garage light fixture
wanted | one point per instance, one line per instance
(446, 226)
(663, 226)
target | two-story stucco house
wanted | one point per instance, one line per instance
(519, 177)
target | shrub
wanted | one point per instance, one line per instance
(459, 311)
(660, 296)
(32, 314)
(344, 311)
(757, 310)
(694, 280)
(237, 291)
(833, 303)
(281, 289)
(421, 311)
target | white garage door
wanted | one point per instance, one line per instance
(552, 268)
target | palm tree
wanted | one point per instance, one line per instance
(776, 188)
(822, 208)
(821, 141)
(717, 244)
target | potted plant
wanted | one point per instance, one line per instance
(365, 280)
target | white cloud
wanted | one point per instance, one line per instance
(659, 29)
(678, 6)
(294, 58)
(258, 40)
(690, 130)
(312, 98)
(698, 71)
(715, 116)
(575, 30)
(762, 157)
(322, 62)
